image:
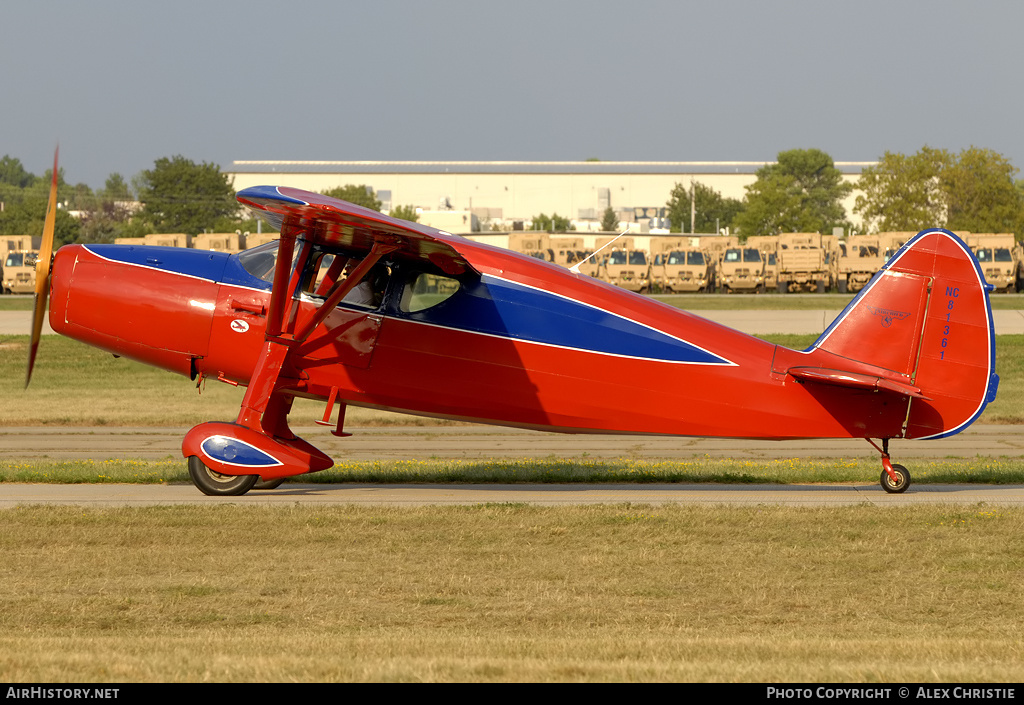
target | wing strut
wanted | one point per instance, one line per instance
(279, 338)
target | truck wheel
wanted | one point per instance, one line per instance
(783, 287)
(842, 286)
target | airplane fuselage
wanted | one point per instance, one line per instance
(521, 343)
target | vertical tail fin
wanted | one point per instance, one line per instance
(926, 317)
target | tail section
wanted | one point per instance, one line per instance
(926, 322)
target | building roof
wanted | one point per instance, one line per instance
(511, 167)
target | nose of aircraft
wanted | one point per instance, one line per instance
(151, 304)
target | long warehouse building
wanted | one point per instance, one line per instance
(505, 194)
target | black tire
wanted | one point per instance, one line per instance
(782, 287)
(901, 486)
(268, 484)
(217, 485)
(843, 286)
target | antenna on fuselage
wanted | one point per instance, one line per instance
(575, 269)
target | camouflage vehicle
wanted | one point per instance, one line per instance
(627, 267)
(18, 273)
(219, 242)
(803, 263)
(768, 246)
(995, 254)
(569, 251)
(860, 257)
(740, 269)
(1018, 257)
(679, 265)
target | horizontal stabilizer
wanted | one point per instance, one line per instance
(857, 380)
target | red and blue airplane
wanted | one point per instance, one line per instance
(456, 329)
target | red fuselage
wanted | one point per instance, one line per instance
(521, 343)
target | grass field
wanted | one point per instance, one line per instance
(512, 593)
(1000, 471)
(491, 593)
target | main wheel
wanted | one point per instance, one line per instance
(268, 484)
(902, 480)
(218, 485)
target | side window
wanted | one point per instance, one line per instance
(423, 290)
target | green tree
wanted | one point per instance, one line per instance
(13, 173)
(904, 193)
(27, 217)
(980, 193)
(405, 213)
(115, 188)
(360, 195)
(609, 221)
(110, 217)
(802, 192)
(973, 190)
(180, 196)
(712, 211)
(552, 224)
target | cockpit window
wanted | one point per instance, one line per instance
(323, 272)
(423, 291)
(260, 261)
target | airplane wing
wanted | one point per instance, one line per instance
(330, 221)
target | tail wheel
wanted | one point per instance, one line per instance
(901, 483)
(217, 485)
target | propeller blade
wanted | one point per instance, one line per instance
(43, 272)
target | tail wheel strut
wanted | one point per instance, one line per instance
(895, 478)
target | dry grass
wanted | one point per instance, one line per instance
(511, 593)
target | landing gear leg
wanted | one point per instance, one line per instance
(895, 478)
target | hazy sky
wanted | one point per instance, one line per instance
(121, 84)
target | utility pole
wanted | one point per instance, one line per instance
(693, 205)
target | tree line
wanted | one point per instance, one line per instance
(975, 190)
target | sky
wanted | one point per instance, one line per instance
(120, 84)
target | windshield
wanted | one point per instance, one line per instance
(751, 255)
(695, 258)
(260, 261)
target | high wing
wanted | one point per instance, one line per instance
(331, 222)
(260, 441)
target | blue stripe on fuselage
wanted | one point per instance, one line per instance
(202, 264)
(502, 308)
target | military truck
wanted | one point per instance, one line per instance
(802, 263)
(995, 254)
(767, 245)
(1018, 257)
(625, 265)
(860, 257)
(18, 273)
(740, 269)
(219, 242)
(681, 266)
